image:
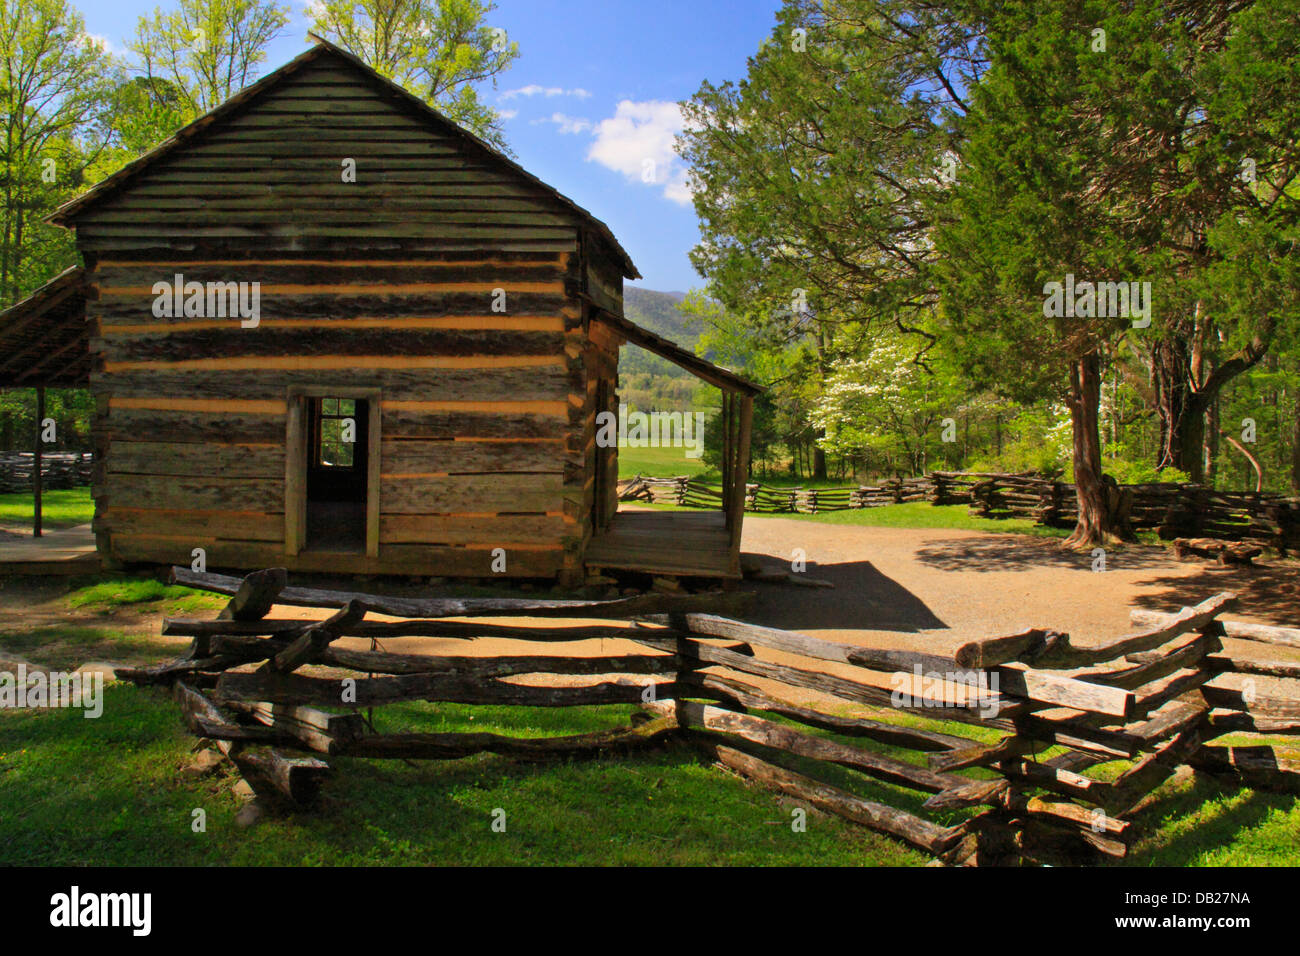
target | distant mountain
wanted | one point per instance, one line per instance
(658, 312)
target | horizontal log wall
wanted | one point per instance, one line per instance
(476, 410)
(389, 282)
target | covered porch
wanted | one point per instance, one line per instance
(44, 343)
(695, 544)
(698, 543)
(59, 551)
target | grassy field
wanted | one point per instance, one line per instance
(110, 792)
(109, 591)
(914, 514)
(660, 463)
(59, 509)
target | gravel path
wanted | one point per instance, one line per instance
(940, 587)
(924, 589)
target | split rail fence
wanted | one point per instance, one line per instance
(58, 470)
(1173, 510)
(1032, 713)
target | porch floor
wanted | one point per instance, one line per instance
(694, 543)
(57, 551)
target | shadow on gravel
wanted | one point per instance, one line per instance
(1023, 553)
(1270, 592)
(863, 598)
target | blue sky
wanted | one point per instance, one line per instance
(588, 100)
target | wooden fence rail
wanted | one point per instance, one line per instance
(1173, 510)
(58, 470)
(278, 697)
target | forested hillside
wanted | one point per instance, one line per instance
(646, 381)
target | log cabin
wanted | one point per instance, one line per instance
(328, 329)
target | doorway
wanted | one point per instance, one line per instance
(336, 469)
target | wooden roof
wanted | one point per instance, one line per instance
(701, 368)
(44, 339)
(69, 212)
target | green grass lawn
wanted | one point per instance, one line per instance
(914, 514)
(108, 792)
(107, 592)
(660, 463)
(59, 509)
(919, 514)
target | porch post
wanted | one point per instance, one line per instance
(737, 504)
(726, 455)
(36, 463)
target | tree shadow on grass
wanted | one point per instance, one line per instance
(1183, 823)
(863, 599)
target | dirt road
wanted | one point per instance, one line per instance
(941, 587)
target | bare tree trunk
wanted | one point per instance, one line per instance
(1254, 462)
(823, 366)
(1176, 407)
(1101, 519)
(1295, 453)
(1211, 450)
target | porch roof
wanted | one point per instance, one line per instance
(44, 339)
(724, 379)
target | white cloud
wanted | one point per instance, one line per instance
(565, 123)
(105, 44)
(637, 141)
(507, 114)
(533, 89)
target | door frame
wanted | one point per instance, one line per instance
(297, 435)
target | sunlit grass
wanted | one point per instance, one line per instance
(108, 593)
(661, 463)
(62, 508)
(107, 792)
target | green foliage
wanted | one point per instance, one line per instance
(71, 409)
(146, 110)
(441, 50)
(200, 53)
(54, 79)
(895, 194)
(887, 412)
